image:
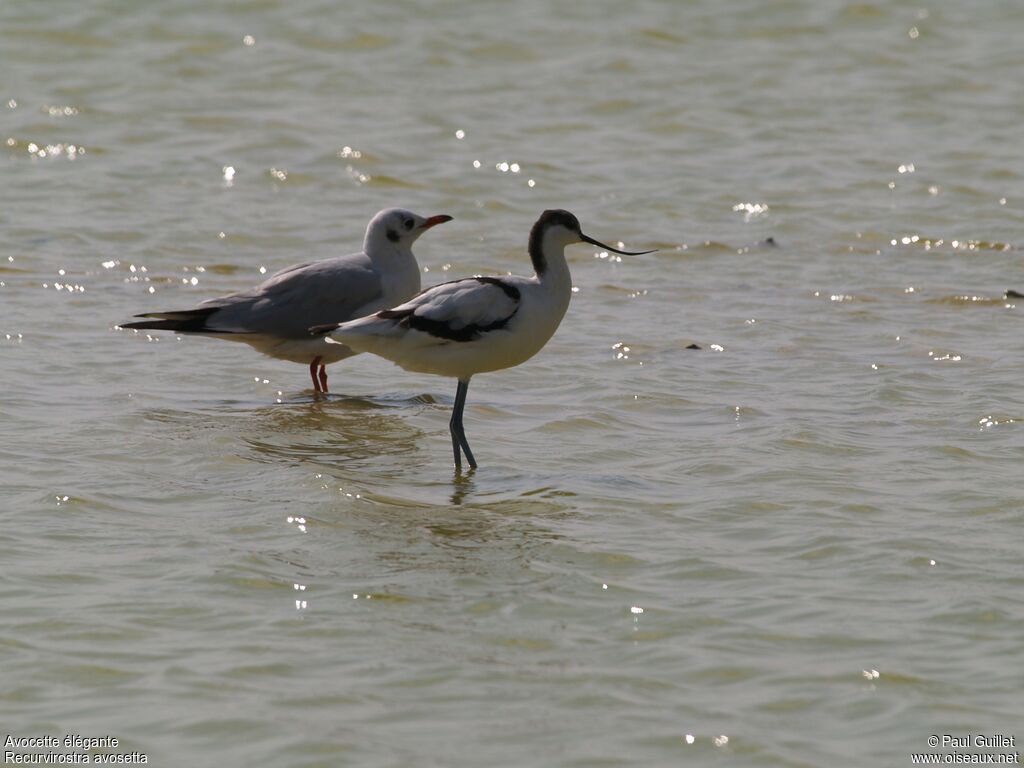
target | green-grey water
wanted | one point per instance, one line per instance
(798, 545)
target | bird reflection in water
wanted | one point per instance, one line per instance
(334, 432)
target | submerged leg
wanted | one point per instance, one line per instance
(323, 377)
(455, 427)
(312, 374)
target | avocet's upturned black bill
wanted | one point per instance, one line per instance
(599, 244)
(274, 317)
(476, 324)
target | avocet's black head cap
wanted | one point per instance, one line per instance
(558, 217)
(547, 220)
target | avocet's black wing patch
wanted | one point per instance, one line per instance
(462, 310)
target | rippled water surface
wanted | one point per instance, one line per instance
(798, 545)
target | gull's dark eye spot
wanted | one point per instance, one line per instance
(408, 223)
(392, 236)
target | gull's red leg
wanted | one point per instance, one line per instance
(312, 374)
(323, 376)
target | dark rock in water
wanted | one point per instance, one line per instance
(1012, 294)
(770, 241)
(694, 346)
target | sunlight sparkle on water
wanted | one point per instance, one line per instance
(357, 175)
(504, 166)
(721, 741)
(70, 151)
(958, 245)
(751, 210)
(986, 423)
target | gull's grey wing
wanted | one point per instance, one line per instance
(297, 297)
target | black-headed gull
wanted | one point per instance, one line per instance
(274, 317)
(477, 324)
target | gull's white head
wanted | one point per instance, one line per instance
(398, 228)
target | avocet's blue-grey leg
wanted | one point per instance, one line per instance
(455, 427)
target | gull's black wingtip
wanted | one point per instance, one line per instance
(320, 330)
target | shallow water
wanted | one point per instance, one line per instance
(668, 556)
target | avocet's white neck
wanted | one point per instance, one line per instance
(547, 252)
(552, 270)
